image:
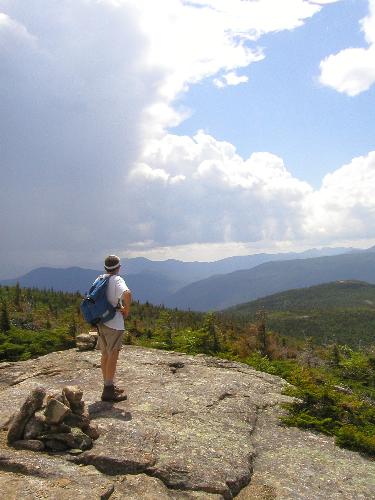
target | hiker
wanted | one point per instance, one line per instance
(111, 333)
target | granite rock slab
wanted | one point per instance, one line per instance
(192, 427)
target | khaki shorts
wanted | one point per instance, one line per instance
(109, 339)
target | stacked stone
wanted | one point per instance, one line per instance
(86, 341)
(58, 422)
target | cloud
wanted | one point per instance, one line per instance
(203, 191)
(88, 89)
(352, 70)
(197, 40)
(74, 85)
(325, 2)
(344, 206)
(230, 78)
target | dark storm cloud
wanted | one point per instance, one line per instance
(73, 87)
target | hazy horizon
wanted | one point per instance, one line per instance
(99, 265)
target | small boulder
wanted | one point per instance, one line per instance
(59, 397)
(55, 411)
(75, 451)
(74, 420)
(55, 445)
(35, 426)
(33, 403)
(73, 394)
(82, 440)
(92, 431)
(28, 444)
(80, 409)
(68, 438)
(59, 428)
(86, 341)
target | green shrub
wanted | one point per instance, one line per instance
(356, 367)
(349, 436)
(261, 363)
(323, 408)
(307, 421)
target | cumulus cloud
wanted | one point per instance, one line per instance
(344, 206)
(203, 191)
(352, 70)
(221, 197)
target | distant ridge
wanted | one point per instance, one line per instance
(189, 272)
(158, 281)
(222, 291)
(342, 311)
(71, 279)
(146, 286)
(338, 294)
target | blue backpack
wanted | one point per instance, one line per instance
(95, 307)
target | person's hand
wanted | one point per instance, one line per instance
(124, 312)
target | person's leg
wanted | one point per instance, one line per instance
(111, 365)
(103, 364)
(113, 342)
(110, 391)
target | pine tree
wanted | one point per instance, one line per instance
(163, 330)
(4, 318)
(335, 356)
(209, 328)
(308, 352)
(262, 335)
(72, 328)
(17, 295)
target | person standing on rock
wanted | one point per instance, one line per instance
(111, 333)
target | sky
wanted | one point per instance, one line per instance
(189, 129)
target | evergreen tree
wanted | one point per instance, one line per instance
(308, 352)
(4, 318)
(262, 335)
(335, 356)
(209, 328)
(72, 328)
(17, 295)
(163, 330)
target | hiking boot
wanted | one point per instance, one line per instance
(118, 389)
(110, 394)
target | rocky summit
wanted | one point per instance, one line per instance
(193, 427)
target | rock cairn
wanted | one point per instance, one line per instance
(56, 423)
(87, 341)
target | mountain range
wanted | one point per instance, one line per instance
(216, 285)
(184, 273)
(222, 291)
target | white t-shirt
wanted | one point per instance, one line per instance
(116, 287)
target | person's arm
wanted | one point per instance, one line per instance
(126, 300)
